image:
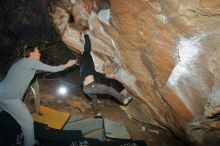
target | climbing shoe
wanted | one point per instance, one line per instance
(127, 100)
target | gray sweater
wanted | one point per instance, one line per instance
(20, 75)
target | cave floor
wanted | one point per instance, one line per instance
(77, 103)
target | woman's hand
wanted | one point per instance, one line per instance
(69, 63)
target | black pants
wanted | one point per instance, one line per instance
(93, 89)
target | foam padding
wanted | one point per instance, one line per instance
(115, 130)
(52, 118)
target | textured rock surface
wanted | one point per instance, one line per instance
(165, 53)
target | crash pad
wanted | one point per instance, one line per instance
(115, 130)
(90, 127)
(51, 117)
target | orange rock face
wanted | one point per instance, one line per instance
(165, 53)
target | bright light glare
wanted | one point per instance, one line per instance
(62, 90)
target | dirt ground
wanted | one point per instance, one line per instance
(77, 103)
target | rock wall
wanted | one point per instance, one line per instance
(164, 52)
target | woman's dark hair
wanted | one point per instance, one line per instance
(28, 49)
